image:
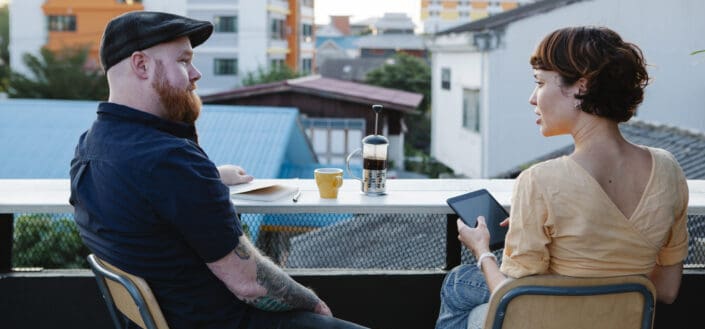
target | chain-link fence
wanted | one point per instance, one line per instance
(357, 241)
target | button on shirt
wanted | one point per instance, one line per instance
(148, 200)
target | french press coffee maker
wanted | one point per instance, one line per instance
(374, 161)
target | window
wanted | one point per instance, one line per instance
(445, 78)
(225, 24)
(277, 30)
(307, 32)
(471, 109)
(225, 66)
(276, 64)
(306, 65)
(62, 23)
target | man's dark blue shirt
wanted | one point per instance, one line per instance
(148, 200)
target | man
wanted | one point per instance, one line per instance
(148, 200)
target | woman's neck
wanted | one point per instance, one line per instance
(597, 133)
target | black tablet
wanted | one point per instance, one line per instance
(481, 203)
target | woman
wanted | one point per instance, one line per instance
(610, 208)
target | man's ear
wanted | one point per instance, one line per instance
(139, 62)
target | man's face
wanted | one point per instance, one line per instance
(175, 82)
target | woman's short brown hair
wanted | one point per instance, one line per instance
(615, 70)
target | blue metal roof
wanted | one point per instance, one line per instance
(344, 42)
(37, 137)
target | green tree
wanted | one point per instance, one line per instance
(410, 74)
(4, 53)
(277, 73)
(60, 75)
(43, 241)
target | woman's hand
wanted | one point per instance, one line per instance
(476, 239)
(233, 175)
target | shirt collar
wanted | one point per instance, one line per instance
(126, 113)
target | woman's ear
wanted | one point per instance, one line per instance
(138, 62)
(582, 86)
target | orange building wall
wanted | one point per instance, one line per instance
(293, 24)
(91, 18)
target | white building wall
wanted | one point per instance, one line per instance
(666, 35)
(254, 36)
(28, 31)
(170, 6)
(221, 45)
(451, 143)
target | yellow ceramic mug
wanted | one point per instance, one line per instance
(329, 180)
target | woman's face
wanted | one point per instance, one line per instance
(555, 104)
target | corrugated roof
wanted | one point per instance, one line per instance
(688, 147)
(509, 16)
(37, 137)
(393, 99)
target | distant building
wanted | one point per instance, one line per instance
(351, 69)
(351, 57)
(341, 47)
(438, 15)
(340, 26)
(271, 33)
(388, 45)
(393, 23)
(252, 35)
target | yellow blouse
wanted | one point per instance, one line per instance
(563, 222)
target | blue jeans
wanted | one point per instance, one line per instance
(464, 288)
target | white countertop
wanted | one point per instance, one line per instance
(403, 196)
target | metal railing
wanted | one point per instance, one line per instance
(396, 232)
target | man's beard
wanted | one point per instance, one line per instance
(179, 105)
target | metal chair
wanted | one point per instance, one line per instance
(127, 296)
(552, 301)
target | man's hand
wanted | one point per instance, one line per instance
(233, 175)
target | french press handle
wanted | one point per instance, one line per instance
(347, 163)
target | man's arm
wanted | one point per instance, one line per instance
(255, 280)
(667, 280)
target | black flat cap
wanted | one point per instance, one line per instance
(139, 30)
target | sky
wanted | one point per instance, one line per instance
(359, 9)
(362, 9)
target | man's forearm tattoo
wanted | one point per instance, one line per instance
(241, 251)
(283, 293)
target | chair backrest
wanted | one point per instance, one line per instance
(128, 294)
(552, 301)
